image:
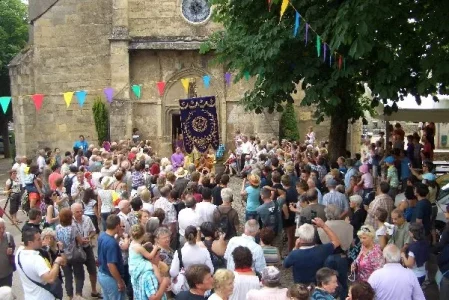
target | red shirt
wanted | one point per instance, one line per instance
(132, 156)
(52, 179)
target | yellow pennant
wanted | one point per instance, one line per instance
(185, 83)
(68, 98)
(283, 7)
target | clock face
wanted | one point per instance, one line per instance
(195, 11)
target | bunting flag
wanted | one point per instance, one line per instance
(161, 87)
(81, 97)
(228, 78)
(339, 62)
(68, 98)
(185, 84)
(297, 20)
(137, 90)
(206, 81)
(284, 6)
(324, 52)
(38, 99)
(318, 45)
(4, 102)
(109, 93)
(307, 33)
(247, 75)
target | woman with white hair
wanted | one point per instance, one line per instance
(370, 257)
(342, 229)
(358, 216)
(223, 285)
(105, 199)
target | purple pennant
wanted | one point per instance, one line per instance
(324, 58)
(307, 32)
(228, 78)
(109, 93)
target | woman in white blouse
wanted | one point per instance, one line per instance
(191, 254)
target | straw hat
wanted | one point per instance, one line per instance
(181, 173)
(106, 182)
(254, 180)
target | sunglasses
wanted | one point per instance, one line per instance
(365, 229)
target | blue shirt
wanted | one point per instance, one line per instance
(405, 169)
(351, 172)
(423, 211)
(306, 262)
(81, 145)
(109, 252)
(252, 201)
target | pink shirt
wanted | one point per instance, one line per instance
(52, 179)
(367, 181)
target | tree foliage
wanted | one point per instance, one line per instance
(396, 47)
(288, 127)
(13, 37)
(101, 119)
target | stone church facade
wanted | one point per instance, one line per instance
(89, 45)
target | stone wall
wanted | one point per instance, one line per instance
(70, 52)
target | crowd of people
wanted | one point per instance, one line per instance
(145, 227)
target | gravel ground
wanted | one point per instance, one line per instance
(236, 184)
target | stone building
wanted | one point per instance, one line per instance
(89, 45)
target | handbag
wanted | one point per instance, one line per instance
(12, 260)
(179, 283)
(76, 253)
(54, 288)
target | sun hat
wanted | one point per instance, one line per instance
(429, 177)
(106, 182)
(271, 274)
(254, 180)
(181, 172)
(389, 160)
(364, 168)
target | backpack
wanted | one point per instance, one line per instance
(68, 182)
(226, 226)
(272, 221)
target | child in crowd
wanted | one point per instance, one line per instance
(392, 176)
(366, 180)
(231, 163)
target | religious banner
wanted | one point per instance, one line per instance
(199, 124)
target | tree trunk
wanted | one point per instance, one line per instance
(337, 137)
(5, 134)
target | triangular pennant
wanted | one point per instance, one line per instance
(81, 97)
(68, 98)
(206, 81)
(185, 84)
(318, 45)
(137, 90)
(4, 102)
(228, 78)
(38, 99)
(109, 93)
(161, 88)
(284, 6)
(339, 62)
(247, 75)
(297, 21)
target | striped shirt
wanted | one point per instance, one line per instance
(272, 255)
(336, 198)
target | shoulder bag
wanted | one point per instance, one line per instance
(76, 253)
(12, 260)
(179, 283)
(54, 288)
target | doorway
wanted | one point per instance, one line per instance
(175, 128)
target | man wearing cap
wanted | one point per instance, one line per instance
(188, 216)
(336, 198)
(382, 200)
(392, 176)
(271, 281)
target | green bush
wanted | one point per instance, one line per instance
(288, 128)
(101, 115)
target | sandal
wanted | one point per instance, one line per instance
(97, 295)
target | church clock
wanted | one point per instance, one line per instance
(195, 11)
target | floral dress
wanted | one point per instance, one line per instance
(368, 262)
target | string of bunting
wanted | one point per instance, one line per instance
(321, 45)
(81, 95)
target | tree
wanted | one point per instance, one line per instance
(13, 37)
(101, 119)
(288, 127)
(396, 47)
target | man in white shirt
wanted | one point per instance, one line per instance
(247, 240)
(168, 207)
(205, 208)
(33, 268)
(78, 187)
(41, 160)
(188, 216)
